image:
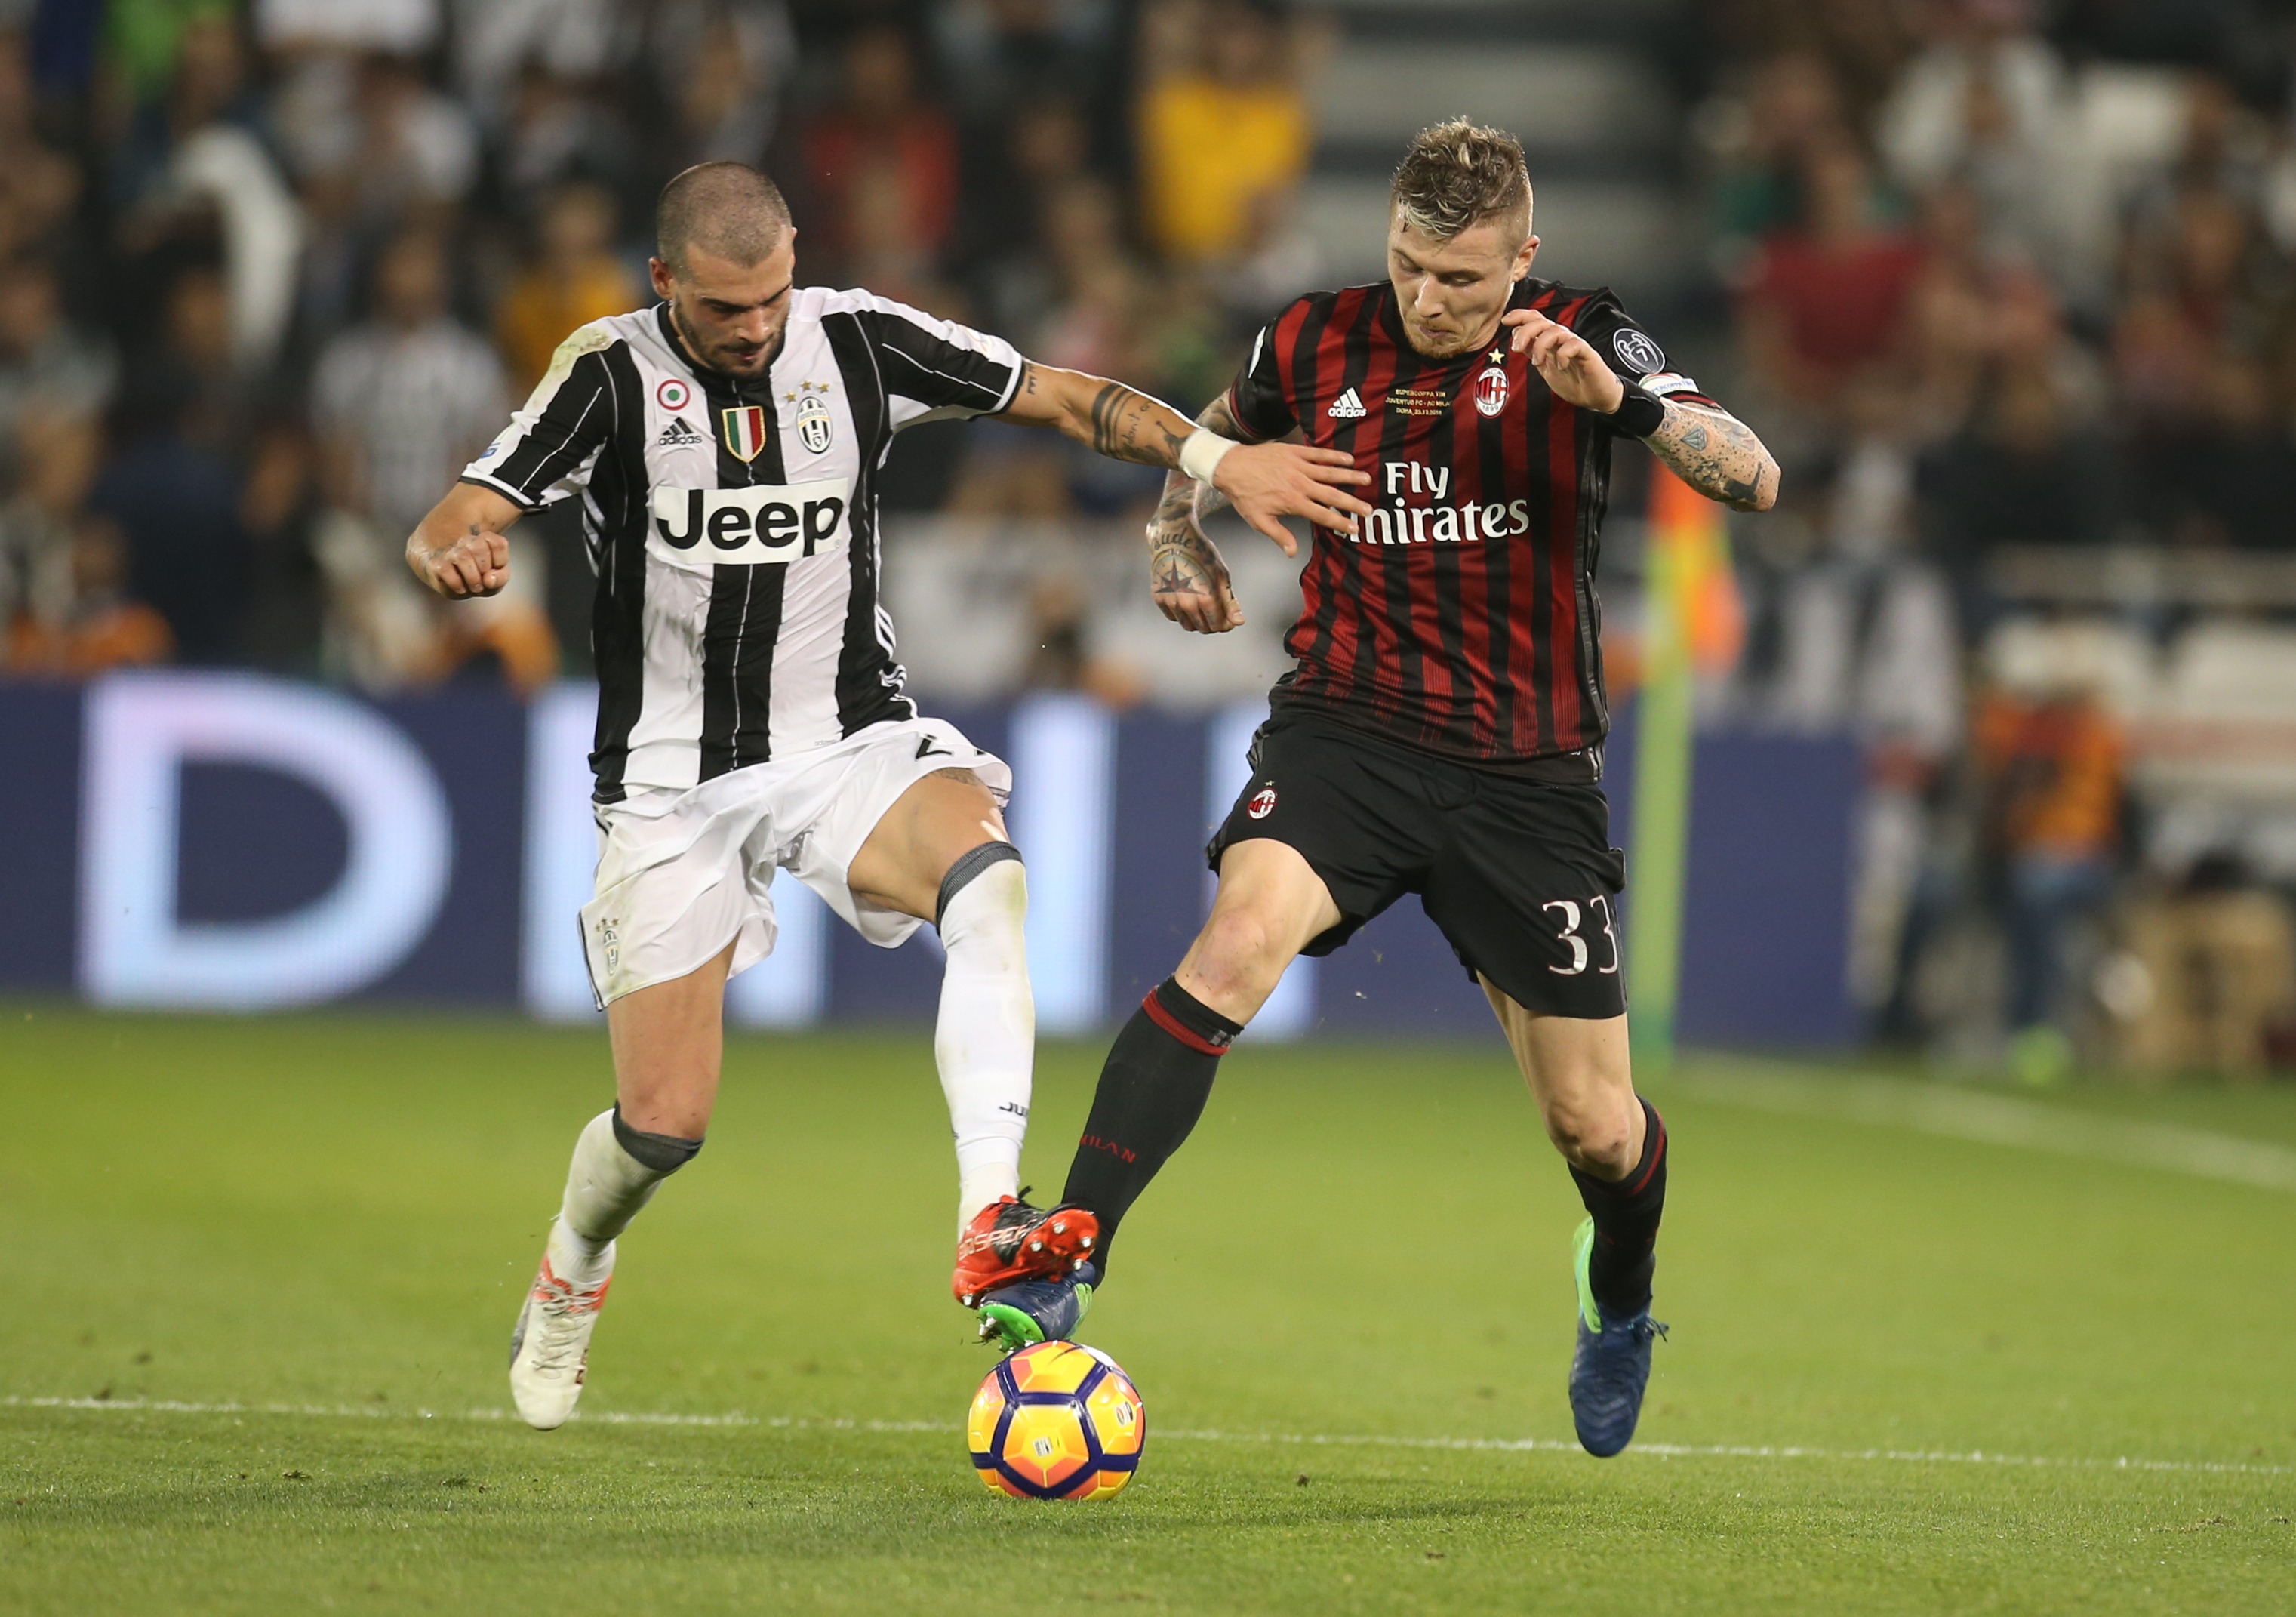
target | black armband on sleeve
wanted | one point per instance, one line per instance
(1638, 413)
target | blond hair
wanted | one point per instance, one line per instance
(1456, 175)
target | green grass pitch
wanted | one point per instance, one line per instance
(276, 1263)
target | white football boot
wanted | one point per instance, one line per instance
(550, 1350)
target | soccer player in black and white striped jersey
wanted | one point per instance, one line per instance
(726, 446)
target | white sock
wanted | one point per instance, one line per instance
(605, 1186)
(986, 1038)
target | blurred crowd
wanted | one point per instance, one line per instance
(2015, 293)
(270, 273)
(2009, 286)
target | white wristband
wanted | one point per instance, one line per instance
(1201, 455)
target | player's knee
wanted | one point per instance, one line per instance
(986, 888)
(1238, 954)
(1593, 1132)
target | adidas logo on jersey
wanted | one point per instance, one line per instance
(678, 435)
(1347, 406)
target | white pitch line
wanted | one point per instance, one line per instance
(1742, 1451)
(1502, 1445)
(1999, 1119)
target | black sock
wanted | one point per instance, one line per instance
(1151, 1091)
(1627, 1214)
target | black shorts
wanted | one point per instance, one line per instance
(1513, 863)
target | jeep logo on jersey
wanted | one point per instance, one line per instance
(814, 425)
(745, 430)
(768, 525)
(1491, 391)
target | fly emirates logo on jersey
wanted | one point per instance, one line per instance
(1400, 522)
(770, 524)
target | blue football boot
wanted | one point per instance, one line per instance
(1032, 1311)
(1610, 1368)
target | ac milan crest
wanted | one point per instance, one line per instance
(1491, 391)
(1262, 803)
(745, 430)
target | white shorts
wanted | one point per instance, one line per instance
(682, 873)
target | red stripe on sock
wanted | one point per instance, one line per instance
(1172, 1024)
(1657, 1154)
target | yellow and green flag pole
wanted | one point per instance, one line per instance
(1690, 616)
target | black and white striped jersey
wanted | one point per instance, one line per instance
(732, 525)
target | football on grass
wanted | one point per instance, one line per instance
(1057, 1421)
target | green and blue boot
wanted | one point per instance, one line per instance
(1611, 1367)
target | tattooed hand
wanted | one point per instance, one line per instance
(1186, 577)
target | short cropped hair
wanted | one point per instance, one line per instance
(727, 208)
(1456, 175)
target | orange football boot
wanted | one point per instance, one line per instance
(1010, 1241)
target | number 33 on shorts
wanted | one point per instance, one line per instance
(1569, 913)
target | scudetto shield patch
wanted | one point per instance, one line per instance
(745, 430)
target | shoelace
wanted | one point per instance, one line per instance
(1018, 1213)
(558, 1346)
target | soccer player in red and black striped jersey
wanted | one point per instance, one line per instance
(1441, 733)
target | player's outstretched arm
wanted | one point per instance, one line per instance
(1703, 445)
(459, 549)
(1265, 482)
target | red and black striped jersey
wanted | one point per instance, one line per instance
(1462, 617)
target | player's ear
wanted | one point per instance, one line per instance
(1524, 254)
(664, 282)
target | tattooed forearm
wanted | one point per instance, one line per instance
(1718, 455)
(1186, 501)
(1106, 416)
(1181, 561)
(1202, 498)
(1129, 425)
